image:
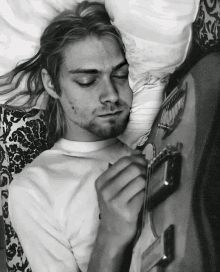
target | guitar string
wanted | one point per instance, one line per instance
(145, 197)
(152, 225)
(147, 200)
(165, 107)
(151, 221)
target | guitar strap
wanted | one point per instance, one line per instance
(206, 192)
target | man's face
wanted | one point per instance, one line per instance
(96, 96)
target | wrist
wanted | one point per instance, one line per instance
(110, 253)
(124, 237)
(114, 244)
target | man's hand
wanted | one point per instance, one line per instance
(120, 192)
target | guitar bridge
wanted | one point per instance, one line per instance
(161, 252)
(165, 171)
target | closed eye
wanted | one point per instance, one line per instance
(84, 85)
(121, 76)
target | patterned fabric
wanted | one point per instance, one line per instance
(23, 136)
(207, 25)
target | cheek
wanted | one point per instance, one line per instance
(68, 97)
(127, 95)
(72, 103)
(131, 96)
(67, 101)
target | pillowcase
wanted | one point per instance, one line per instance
(22, 23)
(157, 36)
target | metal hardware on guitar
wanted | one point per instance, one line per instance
(161, 252)
(173, 110)
(165, 170)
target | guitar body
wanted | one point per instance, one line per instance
(189, 123)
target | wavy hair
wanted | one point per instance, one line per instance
(87, 19)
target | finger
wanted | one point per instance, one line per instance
(133, 188)
(135, 204)
(118, 167)
(124, 180)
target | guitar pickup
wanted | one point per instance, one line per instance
(160, 253)
(164, 177)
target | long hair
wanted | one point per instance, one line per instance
(87, 19)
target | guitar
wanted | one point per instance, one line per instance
(179, 228)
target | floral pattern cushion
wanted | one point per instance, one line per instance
(207, 25)
(23, 136)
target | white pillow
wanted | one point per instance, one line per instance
(21, 25)
(156, 34)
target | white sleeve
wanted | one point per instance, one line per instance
(156, 35)
(46, 248)
(82, 244)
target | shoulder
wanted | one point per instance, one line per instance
(31, 191)
(35, 177)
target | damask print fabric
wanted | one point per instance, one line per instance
(23, 136)
(207, 25)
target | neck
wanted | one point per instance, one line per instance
(81, 135)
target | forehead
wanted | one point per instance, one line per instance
(93, 53)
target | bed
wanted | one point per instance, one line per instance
(23, 135)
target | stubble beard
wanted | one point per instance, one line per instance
(111, 129)
(104, 129)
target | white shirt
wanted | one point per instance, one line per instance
(53, 204)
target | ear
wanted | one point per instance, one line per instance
(48, 84)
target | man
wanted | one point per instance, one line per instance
(75, 207)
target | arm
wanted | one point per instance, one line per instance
(110, 254)
(39, 233)
(120, 193)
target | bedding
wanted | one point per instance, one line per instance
(157, 36)
(207, 26)
(22, 22)
(23, 136)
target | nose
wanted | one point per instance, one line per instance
(109, 92)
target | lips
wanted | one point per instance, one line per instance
(110, 114)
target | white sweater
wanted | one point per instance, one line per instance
(53, 204)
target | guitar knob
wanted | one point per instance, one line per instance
(149, 152)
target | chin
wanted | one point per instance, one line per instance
(106, 130)
(111, 131)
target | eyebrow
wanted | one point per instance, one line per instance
(95, 71)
